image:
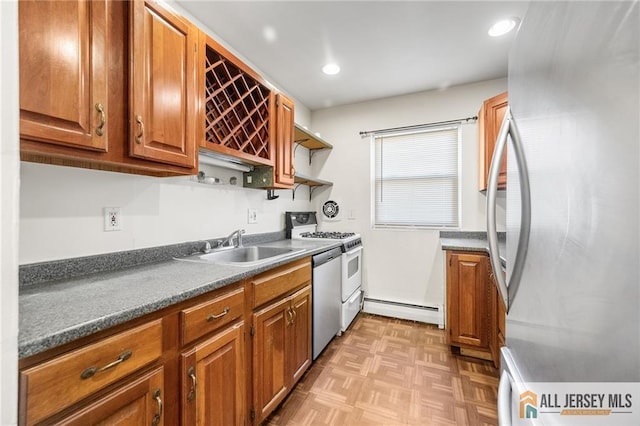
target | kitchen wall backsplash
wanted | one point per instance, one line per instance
(61, 209)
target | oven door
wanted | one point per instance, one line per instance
(351, 272)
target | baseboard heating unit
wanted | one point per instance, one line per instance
(428, 314)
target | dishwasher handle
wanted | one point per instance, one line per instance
(327, 256)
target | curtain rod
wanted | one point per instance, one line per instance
(417, 126)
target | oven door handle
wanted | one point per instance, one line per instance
(354, 251)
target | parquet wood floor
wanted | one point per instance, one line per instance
(392, 372)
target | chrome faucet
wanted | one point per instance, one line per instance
(228, 241)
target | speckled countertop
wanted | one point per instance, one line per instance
(472, 241)
(56, 312)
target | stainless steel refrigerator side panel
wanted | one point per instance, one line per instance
(574, 89)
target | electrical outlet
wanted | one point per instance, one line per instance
(252, 216)
(112, 219)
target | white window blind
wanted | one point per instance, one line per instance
(417, 178)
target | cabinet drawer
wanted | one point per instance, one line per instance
(211, 315)
(139, 400)
(280, 281)
(65, 380)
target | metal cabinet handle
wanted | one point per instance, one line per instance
(192, 393)
(290, 314)
(103, 119)
(91, 371)
(212, 317)
(158, 415)
(508, 290)
(140, 133)
(295, 315)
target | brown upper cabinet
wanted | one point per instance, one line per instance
(64, 60)
(164, 49)
(282, 174)
(238, 109)
(75, 91)
(284, 142)
(489, 121)
(133, 87)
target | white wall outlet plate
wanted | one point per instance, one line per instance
(252, 216)
(112, 219)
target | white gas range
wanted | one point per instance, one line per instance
(303, 226)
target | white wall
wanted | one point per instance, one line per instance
(61, 210)
(9, 174)
(400, 266)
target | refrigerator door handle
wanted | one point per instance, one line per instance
(508, 290)
(504, 399)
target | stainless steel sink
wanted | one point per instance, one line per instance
(243, 256)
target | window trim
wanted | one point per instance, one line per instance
(372, 182)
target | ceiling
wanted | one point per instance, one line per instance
(384, 48)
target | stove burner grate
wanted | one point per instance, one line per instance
(328, 235)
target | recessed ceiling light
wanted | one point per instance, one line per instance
(502, 27)
(270, 34)
(331, 69)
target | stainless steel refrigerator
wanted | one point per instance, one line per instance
(573, 147)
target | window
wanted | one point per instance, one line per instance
(416, 178)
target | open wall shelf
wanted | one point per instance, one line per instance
(311, 182)
(303, 137)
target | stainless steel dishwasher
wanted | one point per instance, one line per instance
(327, 288)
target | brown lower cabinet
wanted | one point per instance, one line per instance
(281, 335)
(213, 380)
(138, 402)
(497, 323)
(475, 313)
(194, 363)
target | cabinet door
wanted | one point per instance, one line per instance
(269, 357)
(494, 345)
(163, 85)
(214, 380)
(489, 121)
(299, 342)
(498, 320)
(238, 109)
(284, 141)
(467, 299)
(502, 320)
(63, 72)
(137, 403)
